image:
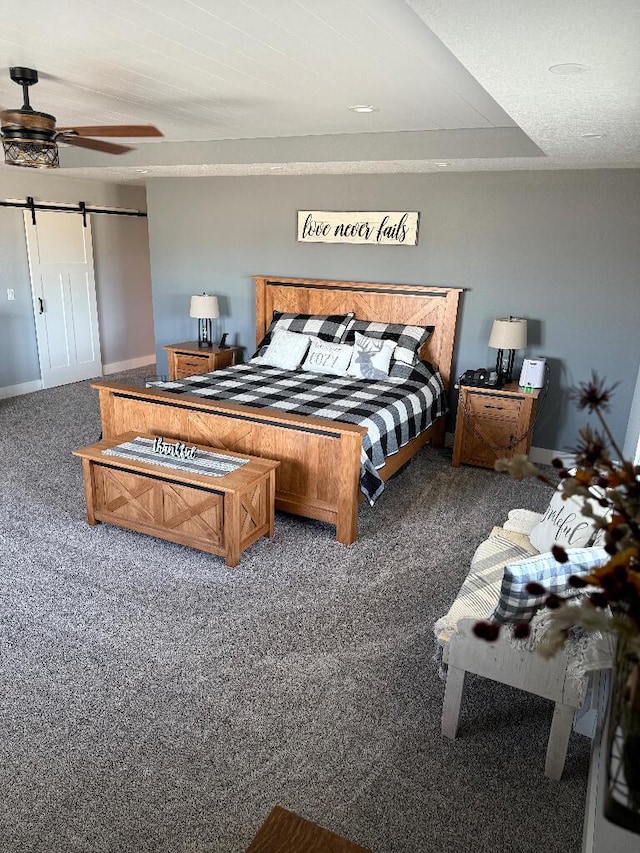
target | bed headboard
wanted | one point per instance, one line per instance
(412, 304)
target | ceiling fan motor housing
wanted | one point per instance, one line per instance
(28, 124)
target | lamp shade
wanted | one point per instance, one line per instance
(204, 307)
(508, 333)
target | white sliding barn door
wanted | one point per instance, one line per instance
(64, 297)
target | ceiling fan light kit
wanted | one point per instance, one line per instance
(30, 138)
(28, 152)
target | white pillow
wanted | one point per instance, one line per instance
(324, 357)
(371, 357)
(286, 350)
(562, 524)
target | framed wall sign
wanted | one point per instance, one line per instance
(379, 228)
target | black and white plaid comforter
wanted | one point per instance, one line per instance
(393, 411)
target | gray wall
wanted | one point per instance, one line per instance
(559, 248)
(123, 277)
(631, 448)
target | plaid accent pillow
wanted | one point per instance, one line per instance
(327, 327)
(408, 339)
(518, 605)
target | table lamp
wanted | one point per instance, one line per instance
(204, 308)
(507, 335)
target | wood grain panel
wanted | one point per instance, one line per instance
(128, 497)
(286, 832)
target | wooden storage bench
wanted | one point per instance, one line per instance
(221, 515)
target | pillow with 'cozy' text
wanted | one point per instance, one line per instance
(330, 359)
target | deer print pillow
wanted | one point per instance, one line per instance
(371, 357)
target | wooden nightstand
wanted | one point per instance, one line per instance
(493, 423)
(188, 358)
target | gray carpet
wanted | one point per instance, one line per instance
(154, 700)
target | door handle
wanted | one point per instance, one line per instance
(41, 304)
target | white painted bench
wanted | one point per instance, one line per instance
(564, 679)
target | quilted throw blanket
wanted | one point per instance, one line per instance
(393, 411)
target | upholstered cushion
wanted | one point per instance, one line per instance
(286, 350)
(516, 604)
(479, 594)
(408, 339)
(327, 327)
(522, 521)
(563, 524)
(327, 358)
(371, 357)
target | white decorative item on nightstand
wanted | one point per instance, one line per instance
(532, 373)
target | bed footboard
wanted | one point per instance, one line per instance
(319, 470)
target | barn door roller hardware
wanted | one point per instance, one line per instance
(81, 208)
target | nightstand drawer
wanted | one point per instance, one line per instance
(501, 407)
(188, 365)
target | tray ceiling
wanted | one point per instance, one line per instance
(265, 86)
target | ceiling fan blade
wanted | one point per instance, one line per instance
(93, 144)
(114, 130)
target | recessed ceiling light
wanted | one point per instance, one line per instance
(568, 68)
(363, 108)
(593, 135)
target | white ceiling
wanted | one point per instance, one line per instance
(263, 86)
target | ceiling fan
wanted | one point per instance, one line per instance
(30, 138)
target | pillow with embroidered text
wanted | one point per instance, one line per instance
(327, 327)
(371, 357)
(563, 524)
(286, 350)
(327, 358)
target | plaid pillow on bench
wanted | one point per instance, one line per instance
(517, 605)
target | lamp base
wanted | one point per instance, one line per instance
(504, 365)
(204, 333)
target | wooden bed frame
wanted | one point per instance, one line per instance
(319, 459)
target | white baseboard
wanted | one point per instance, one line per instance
(115, 367)
(18, 390)
(131, 364)
(544, 456)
